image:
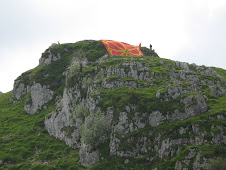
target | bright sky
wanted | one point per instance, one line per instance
(193, 31)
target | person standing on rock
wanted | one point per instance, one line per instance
(150, 47)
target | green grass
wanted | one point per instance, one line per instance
(169, 130)
(93, 49)
(220, 71)
(25, 143)
(217, 105)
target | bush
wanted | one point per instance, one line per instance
(80, 111)
(218, 165)
(95, 130)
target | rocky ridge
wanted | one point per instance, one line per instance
(146, 108)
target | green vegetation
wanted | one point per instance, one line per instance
(145, 98)
(147, 52)
(220, 71)
(218, 165)
(80, 111)
(154, 85)
(95, 130)
(169, 130)
(25, 143)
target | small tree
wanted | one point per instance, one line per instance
(80, 111)
(95, 130)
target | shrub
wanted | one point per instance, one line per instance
(95, 130)
(218, 165)
(80, 111)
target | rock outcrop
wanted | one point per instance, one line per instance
(39, 96)
(19, 89)
(62, 118)
(47, 58)
(144, 108)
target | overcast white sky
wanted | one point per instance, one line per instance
(193, 31)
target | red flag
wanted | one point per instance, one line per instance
(120, 48)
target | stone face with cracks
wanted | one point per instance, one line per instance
(155, 118)
(19, 89)
(129, 120)
(63, 117)
(39, 96)
(43, 61)
(88, 158)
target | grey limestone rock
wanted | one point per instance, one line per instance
(55, 124)
(1, 93)
(196, 130)
(102, 59)
(219, 137)
(174, 75)
(63, 117)
(39, 96)
(85, 95)
(155, 118)
(196, 164)
(221, 117)
(158, 94)
(88, 158)
(178, 165)
(19, 89)
(182, 65)
(67, 116)
(189, 76)
(191, 154)
(131, 71)
(207, 70)
(123, 126)
(182, 130)
(177, 116)
(43, 61)
(53, 44)
(194, 105)
(175, 91)
(217, 92)
(139, 120)
(164, 147)
(114, 144)
(200, 105)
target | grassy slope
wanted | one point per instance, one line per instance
(218, 106)
(24, 142)
(145, 98)
(121, 96)
(221, 72)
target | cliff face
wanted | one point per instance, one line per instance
(147, 111)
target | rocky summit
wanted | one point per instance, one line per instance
(115, 112)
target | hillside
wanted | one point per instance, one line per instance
(81, 108)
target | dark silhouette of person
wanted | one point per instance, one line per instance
(150, 47)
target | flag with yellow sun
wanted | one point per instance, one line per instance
(120, 48)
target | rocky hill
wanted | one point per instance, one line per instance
(125, 112)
